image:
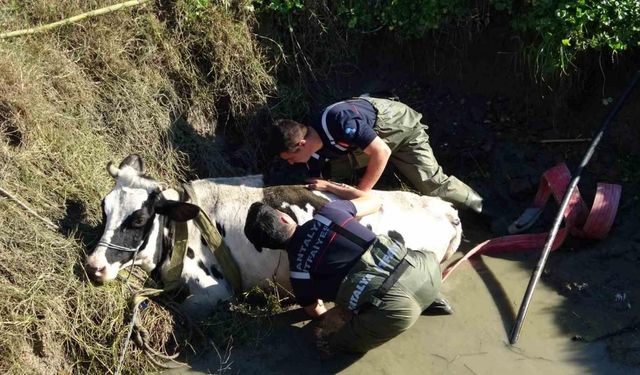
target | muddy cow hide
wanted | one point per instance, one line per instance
(139, 213)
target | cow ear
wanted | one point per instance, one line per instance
(178, 211)
(134, 161)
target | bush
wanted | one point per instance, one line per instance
(555, 31)
(560, 30)
(409, 18)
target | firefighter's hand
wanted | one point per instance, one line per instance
(325, 185)
(315, 310)
(318, 184)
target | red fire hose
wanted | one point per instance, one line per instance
(593, 224)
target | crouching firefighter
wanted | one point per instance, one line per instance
(383, 285)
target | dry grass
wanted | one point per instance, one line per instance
(73, 99)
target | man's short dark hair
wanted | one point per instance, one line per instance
(264, 228)
(285, 134)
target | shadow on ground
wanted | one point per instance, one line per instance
(284, 345)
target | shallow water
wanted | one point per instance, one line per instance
(485, 295)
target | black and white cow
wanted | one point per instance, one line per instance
(138, 214)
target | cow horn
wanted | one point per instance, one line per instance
(113, 170)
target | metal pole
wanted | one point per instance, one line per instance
(526, 300)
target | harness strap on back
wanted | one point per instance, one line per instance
(393, 276)
(359, 241)
(391, 280)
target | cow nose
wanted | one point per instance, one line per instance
(95, 272)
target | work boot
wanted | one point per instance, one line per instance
(489, 211)
(440, 306)
(474, 201)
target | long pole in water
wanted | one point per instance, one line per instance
(526, 300)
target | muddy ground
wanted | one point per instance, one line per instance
(488, 129)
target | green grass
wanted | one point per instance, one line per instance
(71, 100)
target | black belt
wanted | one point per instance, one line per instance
(390, 281)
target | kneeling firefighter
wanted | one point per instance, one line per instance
(333, 257)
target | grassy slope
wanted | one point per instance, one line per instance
(71, 100)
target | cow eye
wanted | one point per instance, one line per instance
(139, 221)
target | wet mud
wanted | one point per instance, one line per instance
(474, 340)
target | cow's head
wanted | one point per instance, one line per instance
(134, 215)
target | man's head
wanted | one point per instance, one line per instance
(292, 141)
(268, 227)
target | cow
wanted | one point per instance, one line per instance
(139, 212)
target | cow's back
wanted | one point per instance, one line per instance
(424, 223)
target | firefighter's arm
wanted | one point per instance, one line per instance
(379, 154)
(365, 202)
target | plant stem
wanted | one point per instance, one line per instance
(97, 12)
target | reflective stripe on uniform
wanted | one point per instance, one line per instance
(299, 275)
(326, 129)
(322, 219)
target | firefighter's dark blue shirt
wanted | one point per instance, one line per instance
(349, 125)
(324, 254)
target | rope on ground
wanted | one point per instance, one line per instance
(96, 12)
(133, 318)
(142, 333)
(12, 196)
(126, 341)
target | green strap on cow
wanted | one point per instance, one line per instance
(180, 240)
(220, 249)
(215, 242)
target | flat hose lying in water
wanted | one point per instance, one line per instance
(557, 181)
(594, 224)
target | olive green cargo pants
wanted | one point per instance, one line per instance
(399, 127)
(401, 306)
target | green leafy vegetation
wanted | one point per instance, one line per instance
(410, 18)
(555, 32)
(560, 30)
